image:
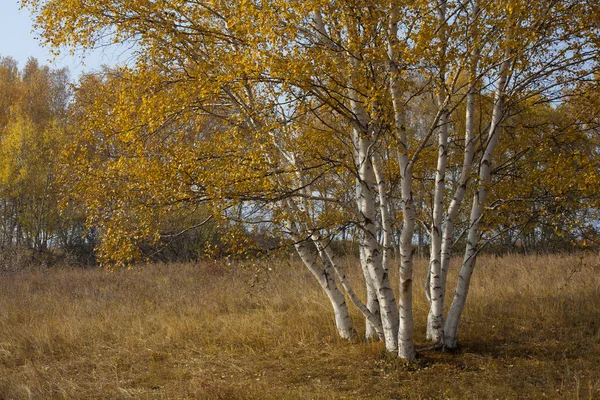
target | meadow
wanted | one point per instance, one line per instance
(216, 330)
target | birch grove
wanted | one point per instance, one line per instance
(312, 113)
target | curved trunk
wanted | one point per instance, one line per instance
(459, 194)
(325, 277)
(464, 278)
(373, 318)
(461, 189)
(327, 282)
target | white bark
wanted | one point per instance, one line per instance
(461, 188)
(370, 245)
(435, 319)
(406, 348)
(363, 133)
(406, 331)
(464, 278)
(324, 276)
(436, 310)
(372, 301)
(327, 282)
(386, 220)
(372, 318)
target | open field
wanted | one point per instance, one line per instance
(212, 331)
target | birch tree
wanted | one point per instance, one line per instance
(535, 65)
(288, 105)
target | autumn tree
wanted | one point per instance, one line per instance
(315, 102)
(33, 125)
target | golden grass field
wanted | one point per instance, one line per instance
(531, 330)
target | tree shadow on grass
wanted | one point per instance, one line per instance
(553, 328)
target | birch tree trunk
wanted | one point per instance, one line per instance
(447, 234)
(406, 348)
(435, 319)
(373, 318)
(405, 334)
(386, 226)
(325, 277)
(372, 301)
(464, 278)
(384, 211)
(369, 244)
(459, 194)
(363, 138)
(380, 297)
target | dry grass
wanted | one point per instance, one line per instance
(531, 330)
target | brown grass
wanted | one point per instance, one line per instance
(211, 331)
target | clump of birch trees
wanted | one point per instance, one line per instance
(313, 117)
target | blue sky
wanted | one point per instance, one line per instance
(18, 41)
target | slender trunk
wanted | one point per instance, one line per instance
(435, 319)
(370, 245)
(406, 348)
(421, 248)
(372, 301)
(406, 331)
(469, 151)
(461, 188)
(326, 279)
(18, 227)
(464, 278)
(373, 318)
(363, 136)
(386, 220)
(324, 276)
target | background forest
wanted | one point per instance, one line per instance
(544, 187)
